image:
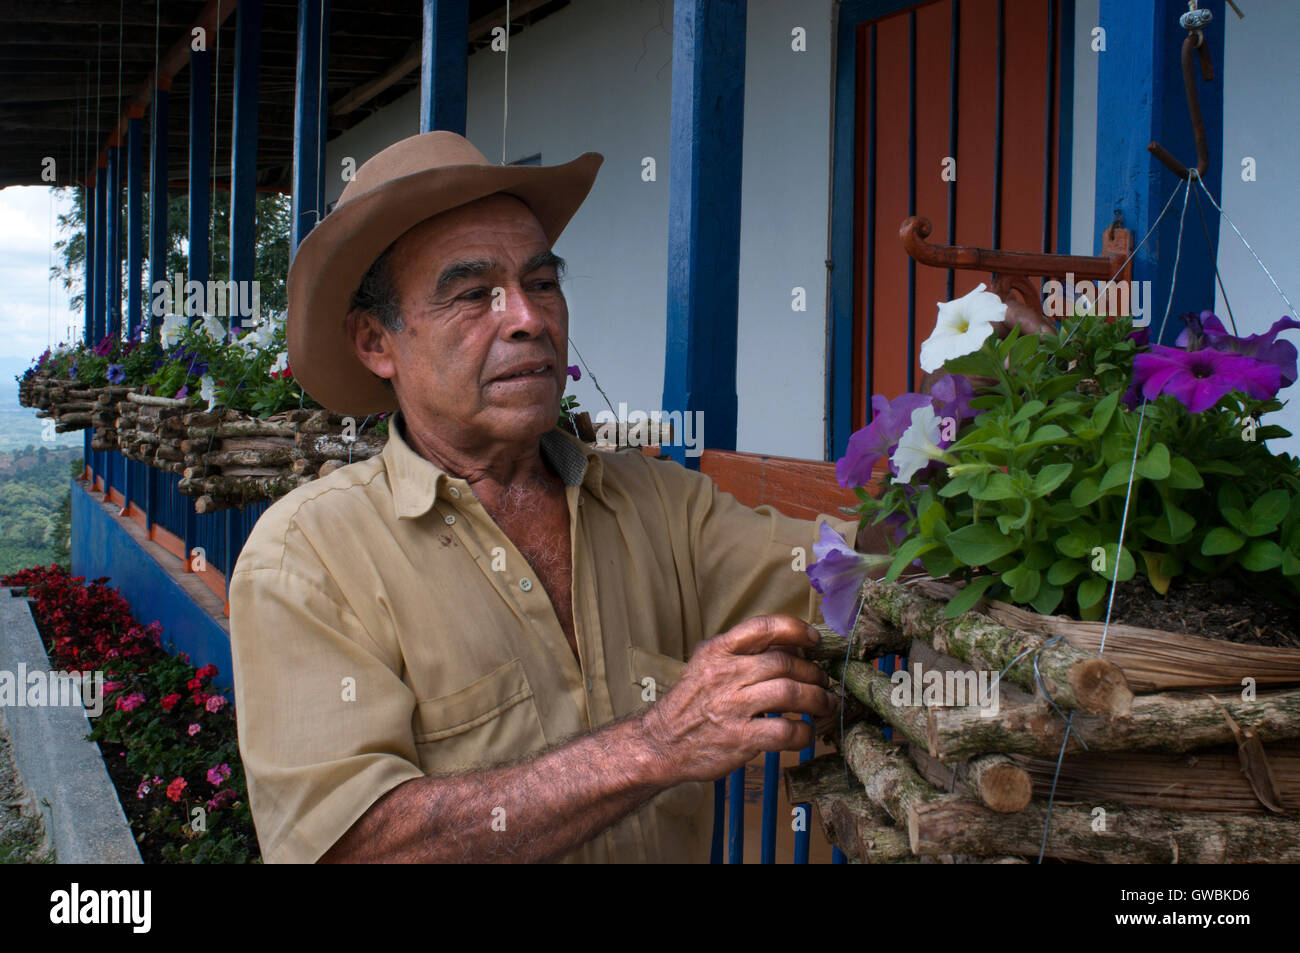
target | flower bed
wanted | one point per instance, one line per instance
(167, 737)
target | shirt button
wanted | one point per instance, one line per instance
(588, 684)
(449, 519)
(453, 492)
(526, 584)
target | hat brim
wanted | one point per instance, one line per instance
(331, 261)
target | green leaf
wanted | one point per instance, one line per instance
(1058, 386)
(1221, 466)
(1050, 477)
(1173, 526)
(1048, 433)
(1021, 350)
(970, 595)
(1028, 588)
(939, 562)
(1155, 465)
(1028, 410)
(1127, 567)
(1085, 492)
(1063, 570)
(1102, 413)
(1290, 563)
(1074, 546)
(1040, 556)
(929, 516)
(1048, 598)
(998, 487)
(1271, 508)
(1117, 475)
(1261, 555)
(1090, 592)
(907, 552)
(1220, 541)
(1183, 475)
(979, 544)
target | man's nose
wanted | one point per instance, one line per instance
(523, 318)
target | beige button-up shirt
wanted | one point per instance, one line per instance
(384, 628)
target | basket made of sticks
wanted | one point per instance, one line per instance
(150, 429)
(326, 441)
(104, 416)
(70, 403)
(1167, 759)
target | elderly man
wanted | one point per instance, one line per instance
(473, 646)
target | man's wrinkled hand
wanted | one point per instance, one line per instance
(712, 720)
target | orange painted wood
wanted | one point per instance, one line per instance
(168, 541)
(799, 488)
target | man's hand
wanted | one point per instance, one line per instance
(710, 722)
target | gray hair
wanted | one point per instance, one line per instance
(377, 294)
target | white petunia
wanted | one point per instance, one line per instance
(919, 444)
(281, 362)
(962, 326)
(172, 327)
(213, 328)
(207, 389)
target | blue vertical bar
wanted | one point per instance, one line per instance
(838, 857)
(200, 211)
(157, 212)
(707, 127)
(309, 119)
(1140, 94)
(101, 251)
(243, 157)
(90, 272)
(719, 820)
(200, 165)
(113, 274)
(134, 223)
(771, 778)
(736, 817)
(803, 838)
(444, 62)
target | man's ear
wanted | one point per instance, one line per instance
(372, 342)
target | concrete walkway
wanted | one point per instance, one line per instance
(62, 770)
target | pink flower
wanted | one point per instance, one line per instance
(175, 788)
(130, 702)
(112, 686)
(217, 774)
(194, 730)
(216, 703)
(142, 790)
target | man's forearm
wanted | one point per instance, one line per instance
(538, 810)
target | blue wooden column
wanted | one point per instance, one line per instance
(309, 119)
(113, 261)
(1140, 99)
(707, 125)
(88, 197)
(200, 213)
(243, 196)
(200, 166)
(134, 224)
(157, 252)
(157, 200)
(444, 65)
(101, 250)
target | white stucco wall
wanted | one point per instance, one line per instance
(597, 76)
(1083, 161)
(1261, 97)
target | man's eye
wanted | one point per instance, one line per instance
(475, 294)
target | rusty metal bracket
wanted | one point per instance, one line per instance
(1192, 21)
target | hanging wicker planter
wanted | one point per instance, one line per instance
(1169, 759)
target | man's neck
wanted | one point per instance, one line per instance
(490, 469)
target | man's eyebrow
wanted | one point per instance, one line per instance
(467, 268)
(544, 259)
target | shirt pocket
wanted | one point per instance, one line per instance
(491, 720)
(686, 798)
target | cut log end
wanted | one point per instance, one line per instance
(1004, 787)
(1101, 688)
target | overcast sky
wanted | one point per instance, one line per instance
(33, 311)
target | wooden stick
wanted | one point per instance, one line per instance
(875, 690)
(1073, 678)
(993, 780)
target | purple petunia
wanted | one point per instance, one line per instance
(878, 439)
(574, 372)
(1198, 379)
(838, 575)
(116, 374)
(104, 347)
(1262, 347)
(952, 396)
(182, 393)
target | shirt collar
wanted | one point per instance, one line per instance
(417, 483)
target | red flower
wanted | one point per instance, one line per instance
(207, 671)
(175, 788)
(194, 683)
(170, 701)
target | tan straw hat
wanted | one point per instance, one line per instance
(391, 193)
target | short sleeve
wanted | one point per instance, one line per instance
(747, 561)
(324, 720)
